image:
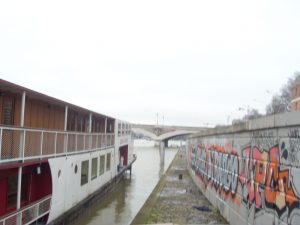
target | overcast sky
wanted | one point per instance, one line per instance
(193, 62)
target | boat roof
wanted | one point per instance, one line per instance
(8, 86)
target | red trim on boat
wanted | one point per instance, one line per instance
(11, 165)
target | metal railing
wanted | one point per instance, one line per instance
(28, 214)
(23, 144)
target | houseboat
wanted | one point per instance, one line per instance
(54, 155)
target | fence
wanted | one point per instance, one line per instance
(29, 214)
(22, 144)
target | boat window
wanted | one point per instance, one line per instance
(97, 127)
(94, 168)
(8, 110)
(71, 121)
(80, 123)
(102, 164)
(84, 172)
(108, 162)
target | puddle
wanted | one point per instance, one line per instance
(172, 192)
(177, 168)
(173, 178)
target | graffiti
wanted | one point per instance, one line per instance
(216, 167)
(258, 174)
(294, 141)
(263, 139)
(264, 183)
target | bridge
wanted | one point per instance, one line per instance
(163, 133)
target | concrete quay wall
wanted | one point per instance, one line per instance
(250, 172)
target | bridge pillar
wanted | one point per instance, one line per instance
(162, 152)
(166, 142)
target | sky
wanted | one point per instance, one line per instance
(193, 63)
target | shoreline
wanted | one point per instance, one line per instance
(177, 199)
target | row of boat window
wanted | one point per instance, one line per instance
(105, 161)
(124, 129)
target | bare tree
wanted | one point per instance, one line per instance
(282, 102)
(252, 114)
(277, 105)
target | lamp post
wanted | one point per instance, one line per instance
(228, 117)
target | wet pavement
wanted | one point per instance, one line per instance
(177, 200)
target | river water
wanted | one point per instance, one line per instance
(121, 205)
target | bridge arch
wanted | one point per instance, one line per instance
(165, 136)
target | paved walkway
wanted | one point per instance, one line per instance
(178, 201)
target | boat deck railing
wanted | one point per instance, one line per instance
(20, 144)
(28, 214)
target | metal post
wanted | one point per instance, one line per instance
(22, 113)
(84, 147)
(55, 143)
(76, 147)
(105, 125)
(97, 137)
(19, 220)
(23, 109)
(66, 142)
(42, 140)
(19, 187)
(90, 123)
(22, 144)
(162, 152)
(66, 118)
(65, 129)
(90, 130)
(21, 153)
(105, 131)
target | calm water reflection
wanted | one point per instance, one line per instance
(122, 204)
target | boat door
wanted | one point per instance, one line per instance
(123, 155)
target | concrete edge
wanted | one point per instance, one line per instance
(265, 122)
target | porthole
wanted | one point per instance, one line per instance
(59, 173)
(76, 169)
